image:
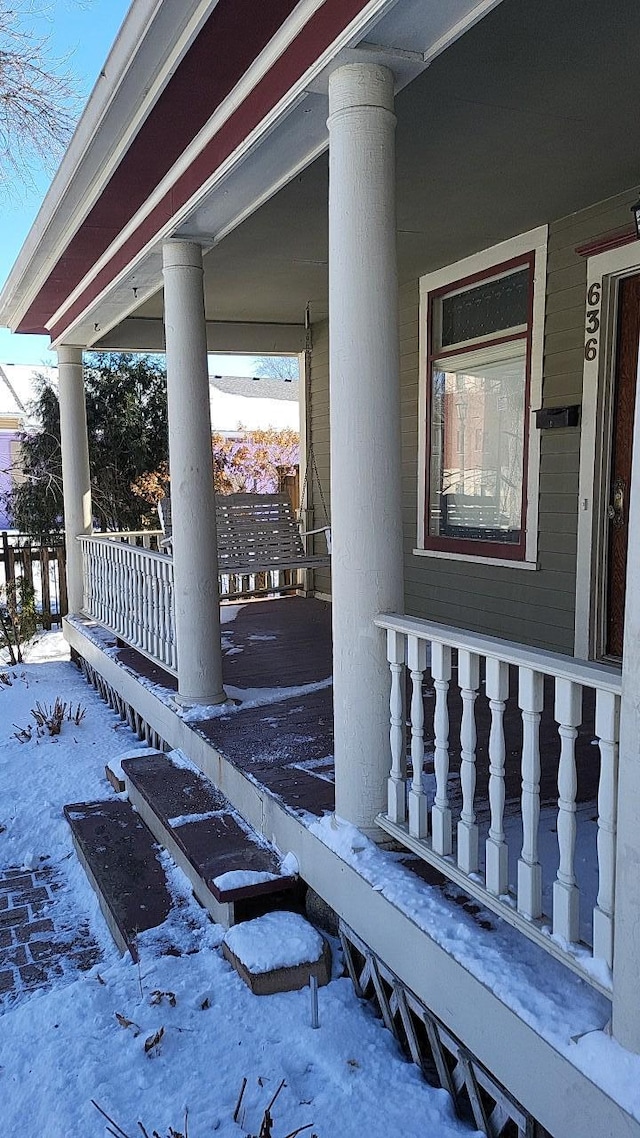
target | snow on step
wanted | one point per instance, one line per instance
(121, 860)
(278, 952)
(227, 862)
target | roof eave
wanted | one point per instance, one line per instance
(102, 134)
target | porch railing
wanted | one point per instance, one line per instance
(129, 589)
(527, 868)
(142, 538)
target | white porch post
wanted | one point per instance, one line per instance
(626, 946)
(367, 568)
(195, 554)
(76, 485)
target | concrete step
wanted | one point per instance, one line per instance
(120, 858)
(234, 873)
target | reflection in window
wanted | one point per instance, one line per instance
(477, 450)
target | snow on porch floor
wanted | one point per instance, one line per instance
(278, 653)
(83, 1037)
(294, 661)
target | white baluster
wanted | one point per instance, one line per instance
(396, 786)
(469, 680)
(441, 836)
(607, 731)
(496, 849)
(136, 621)
(530, 701)
(171, 638)
(119, 590)
(155, 609)
(146, 603)
(418, 812)
(103, 574)
(566, 896)
(129, 613)
(164, 638)
(86, 587)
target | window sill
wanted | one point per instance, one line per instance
(474, 559)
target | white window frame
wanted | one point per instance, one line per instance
(534, 241)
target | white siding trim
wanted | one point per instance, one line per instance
(605, 269)
(447, 556)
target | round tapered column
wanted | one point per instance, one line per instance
(367, 570)
(76, 483)
(195, 555)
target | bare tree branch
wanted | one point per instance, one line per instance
(39, 98)
(277, 367)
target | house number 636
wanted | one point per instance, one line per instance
(593, 321)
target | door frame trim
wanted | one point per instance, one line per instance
(605, 270)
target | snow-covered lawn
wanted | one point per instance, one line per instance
(64, 1046)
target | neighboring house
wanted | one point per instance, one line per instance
(10, 426)
(242, 405)
(469, 327)
(16, 392)
(249, 403)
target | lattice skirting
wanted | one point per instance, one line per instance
(126, 712)
(443, 1060)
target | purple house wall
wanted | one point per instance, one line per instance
(7, 437)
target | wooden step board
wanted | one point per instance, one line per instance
(206, 838)
(120, 857)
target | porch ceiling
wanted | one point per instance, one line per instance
(529, 116)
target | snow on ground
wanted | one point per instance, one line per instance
(62, 1047)
(276, 940)
(571, 1015)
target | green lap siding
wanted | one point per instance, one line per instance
(531, 606)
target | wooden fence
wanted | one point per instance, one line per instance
(42, 562)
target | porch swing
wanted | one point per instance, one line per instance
(260, 534)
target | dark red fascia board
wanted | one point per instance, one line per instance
(317, 34)
(233, 36)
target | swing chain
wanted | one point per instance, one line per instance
(311, 463)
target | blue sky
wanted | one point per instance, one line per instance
(84, 31)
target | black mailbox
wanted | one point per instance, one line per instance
(548, 417)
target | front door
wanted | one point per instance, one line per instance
(626, 370)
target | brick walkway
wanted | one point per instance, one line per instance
(38, 941)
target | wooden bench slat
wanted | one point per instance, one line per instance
(256, 533)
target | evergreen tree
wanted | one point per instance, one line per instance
(127, 428)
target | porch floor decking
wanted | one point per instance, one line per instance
(286, 743)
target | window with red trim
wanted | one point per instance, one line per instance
(479, 362)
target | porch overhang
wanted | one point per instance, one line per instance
(486, 104)
(195, 160)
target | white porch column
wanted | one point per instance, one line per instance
(195, 554)
(367, 568)
(626, 945)
(76, 485)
